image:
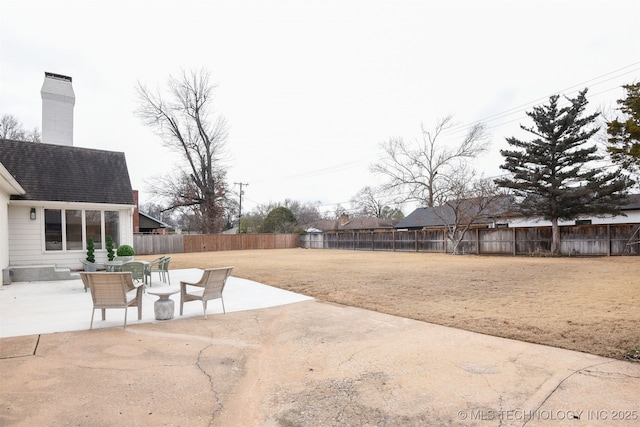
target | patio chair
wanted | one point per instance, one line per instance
(212, 284)
(137, 270)
(113, 290)
(165, 270)
(156, 266)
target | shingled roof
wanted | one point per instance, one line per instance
(61, 173)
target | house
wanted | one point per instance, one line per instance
(146, 224)
(63, 195)
(345, 223)
(150, 225)
(428, 217)
(55, 196)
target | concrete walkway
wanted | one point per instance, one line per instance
(281, 359)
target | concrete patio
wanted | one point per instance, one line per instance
(57, 306)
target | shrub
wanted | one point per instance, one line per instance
(125, 250)
(110, 251)
(90, 250)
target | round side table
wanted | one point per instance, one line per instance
(164, 307)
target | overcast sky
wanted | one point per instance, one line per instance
(310, 89)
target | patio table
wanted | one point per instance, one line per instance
(164, 307)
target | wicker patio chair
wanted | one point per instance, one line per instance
(165, 270)
(158, 266)
(137, 270)
(212, 284)
(113, 290)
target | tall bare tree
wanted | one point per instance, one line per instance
(186, 123)
(419, 170)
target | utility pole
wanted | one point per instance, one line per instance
(240, 207)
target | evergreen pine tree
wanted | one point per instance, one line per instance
(553, 174)
(624, 133)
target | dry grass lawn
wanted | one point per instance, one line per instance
(585, 304)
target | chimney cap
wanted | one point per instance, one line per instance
(57, 76)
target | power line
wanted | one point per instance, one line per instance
(522, 107)
(493, 117)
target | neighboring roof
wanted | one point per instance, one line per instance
(147, 222)
(634, 203)
(354, 224)
(421, 217)
(49, 172)
(426, 217)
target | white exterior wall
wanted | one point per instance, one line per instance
(631, 218)
(4, 230)
(26, 237)
(8, 186)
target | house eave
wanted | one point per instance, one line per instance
(8, 183)
(63, 205)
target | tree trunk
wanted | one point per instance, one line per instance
(555, 236)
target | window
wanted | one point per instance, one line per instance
(112, 226)
(68, 229)
(94, 227)
(53, 229)
(73, 228)
(583, 221)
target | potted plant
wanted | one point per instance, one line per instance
(91, 258)
(110, 252)
(125, 253)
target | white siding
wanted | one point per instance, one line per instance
(26, 236)
(4, 230)
(631, 218)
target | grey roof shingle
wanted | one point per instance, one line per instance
(61, 173)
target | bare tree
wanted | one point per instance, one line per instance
(186, 125)
(470, 200)
(420, 170)
(11, 128)
(369, 202)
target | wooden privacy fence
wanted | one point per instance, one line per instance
(151, 244)
(605, 239)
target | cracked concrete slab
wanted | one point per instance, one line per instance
(22, 346)
(307, 364)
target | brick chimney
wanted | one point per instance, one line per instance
(344, 218)
(58, 100)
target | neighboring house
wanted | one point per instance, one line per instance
(146, 224)
(344, 223)
(427, 218)
(56, 197)
(150, 225)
